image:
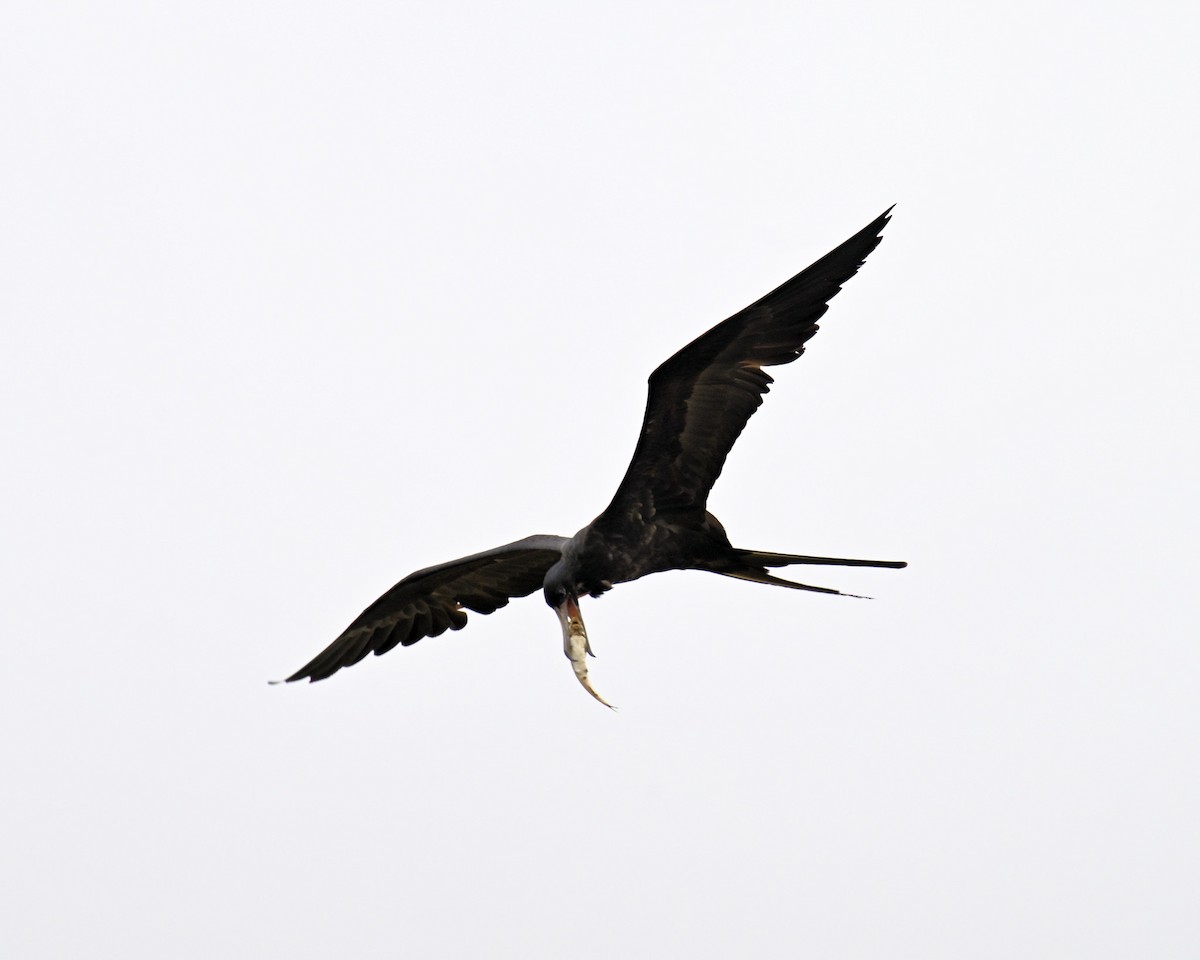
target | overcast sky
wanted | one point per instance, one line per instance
(300, 297)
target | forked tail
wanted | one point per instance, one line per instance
(757, 557)
(751, 564)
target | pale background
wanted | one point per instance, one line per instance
(299, 297)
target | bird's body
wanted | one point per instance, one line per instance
(699, 401)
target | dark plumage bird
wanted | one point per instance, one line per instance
(699, 402)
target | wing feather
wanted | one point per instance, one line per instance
(702, 397)
(431, 601)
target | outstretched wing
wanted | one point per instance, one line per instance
(702, 397)
(434, 600)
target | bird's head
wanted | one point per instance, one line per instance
(562, 594)
(558, 596)
(559, 585)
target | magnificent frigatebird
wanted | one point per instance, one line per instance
(699, 402)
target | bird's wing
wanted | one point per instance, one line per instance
(434, 600)
(702, 397)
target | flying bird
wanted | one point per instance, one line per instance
(699, 402)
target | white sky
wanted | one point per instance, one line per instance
(300, 297)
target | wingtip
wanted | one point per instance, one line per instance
(292, 679)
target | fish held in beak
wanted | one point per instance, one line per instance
(576, 646)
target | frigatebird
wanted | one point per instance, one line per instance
(699, 402)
